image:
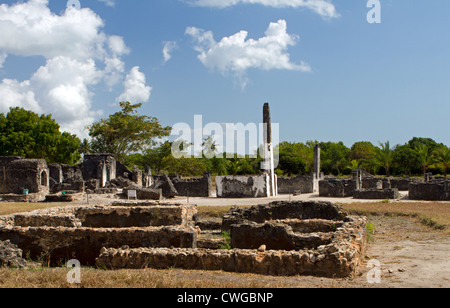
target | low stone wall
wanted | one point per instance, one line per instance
(376, 183)
(125, 217)
(433, 191)
(402, 184)
(283, 210)
(311, 225)
(84, 244)
(376, 194)
(275, 236)
(339, 259)
(144, 193)
(131, 215)
(195, 187)
(299, 184)
(334, 188)
(38, 220)
(80, 232)
(242, 186)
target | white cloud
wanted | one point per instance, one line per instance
(167, 50)
(136, 90)
(3, 57)
(78, 56)
(60, 87)
(110, 3)
(322, 7)
(237, 54)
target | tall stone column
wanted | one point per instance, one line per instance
(268, 164)
(316, 168)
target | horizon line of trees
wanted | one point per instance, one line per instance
(131, 138)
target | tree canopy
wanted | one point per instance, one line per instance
(27, 134)
(125, 132)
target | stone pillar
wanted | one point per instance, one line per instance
(268, 164)
(317, 176)
(317, 150)
(357, 179)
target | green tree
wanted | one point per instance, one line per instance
(430, 143)
(335, 157)
(405, 159)
(442, 157)
(291, 160)
(25, 133)
(425, 155)
(364, 153)
(157, 157)
(126, 132)
(385, 157)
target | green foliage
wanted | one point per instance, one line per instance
(442, 158)
(335, 157)
(370, 231)
(226, 236)
(25, 133)
(125, 132)
(405, 159)
(295, 158)
(384, 156)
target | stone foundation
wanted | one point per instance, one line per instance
(339, 258)
(336, 188)
(283, 210)
(81, 232)
(432, 191)
(282, 238)
(374, 194)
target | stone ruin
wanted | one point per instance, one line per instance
(363, 185)
(282, 238)
(33, 180)
(432, 189)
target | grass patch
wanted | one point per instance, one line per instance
(435, 215)
(143, 278)
(9, 208)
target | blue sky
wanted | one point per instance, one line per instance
(328, 75)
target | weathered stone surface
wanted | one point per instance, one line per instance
(18, 174)
(11, 255)
(145, 193)
(432, 191)
(374, 194)
(84, 244)
(402, 184)
(194, 187)
(126, 217)
(295, 185)
(37, 220)
(276, 236)
(338, 259)
(210, 224)
(334, 188)
(164, 183)
(283, 210)
(242, 186)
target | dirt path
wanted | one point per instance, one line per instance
(410, 255)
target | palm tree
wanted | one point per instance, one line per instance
(425, 156)
(442, 157)
(384, 156)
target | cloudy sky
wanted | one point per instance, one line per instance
(329, 74)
